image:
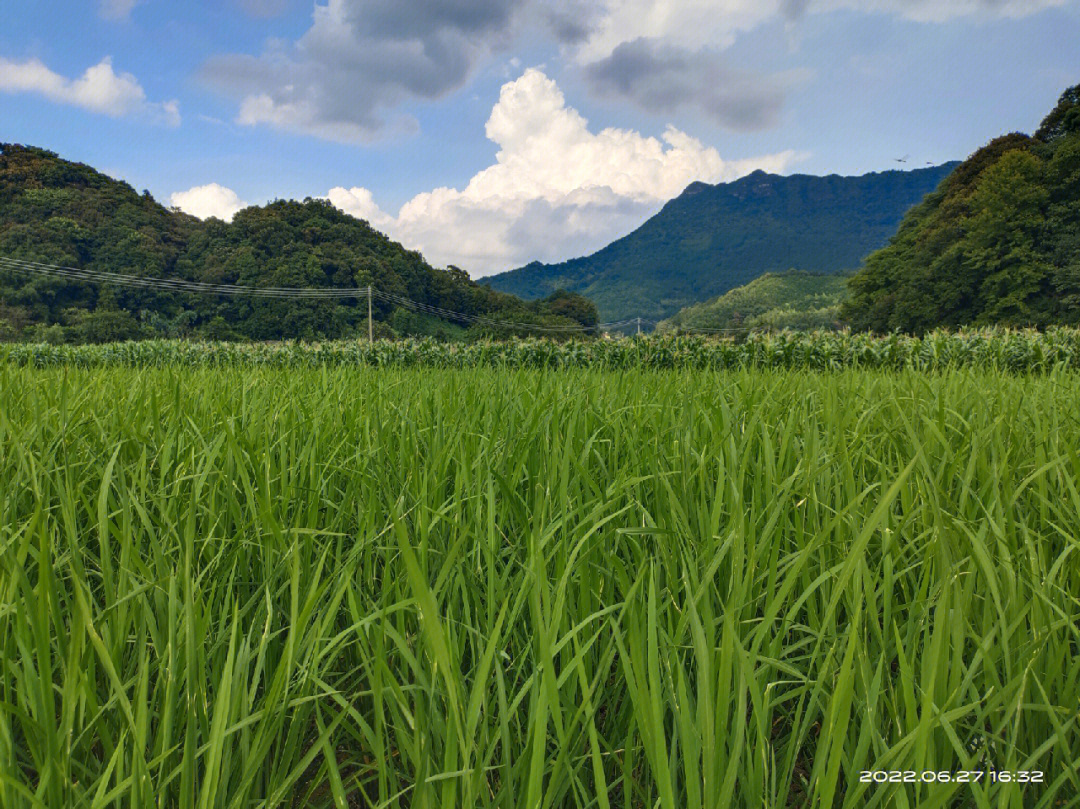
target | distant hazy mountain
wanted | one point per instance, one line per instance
(713, 238)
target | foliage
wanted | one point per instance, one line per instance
(998, 349)
(548, 315)
(714, 238)
(997, 243)
(795, 300)
(64, 213)
(406, 323)
(1064, 119)
(372, 587)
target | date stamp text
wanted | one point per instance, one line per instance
(951, 777)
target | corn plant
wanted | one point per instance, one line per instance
(1000, 349)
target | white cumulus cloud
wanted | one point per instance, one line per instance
(99, 89)
(205, 201)
(556, 188)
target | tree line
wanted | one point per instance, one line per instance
(59, 212)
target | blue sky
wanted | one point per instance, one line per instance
(488, 133)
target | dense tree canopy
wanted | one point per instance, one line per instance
(997, 243)
(58, 212)
(785, 300)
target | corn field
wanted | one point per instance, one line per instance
(270, 586)
(1017, 351)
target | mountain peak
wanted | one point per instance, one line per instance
(712, 238)
(699, 186)
(695, 187)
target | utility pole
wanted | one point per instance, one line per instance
(639, 324)
(370, 325)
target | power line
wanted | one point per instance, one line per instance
(174, 284)
(75, 274)
(481, 320)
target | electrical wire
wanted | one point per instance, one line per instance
(174, 284)
(77, 275)
(478, 319)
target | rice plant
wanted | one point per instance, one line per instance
(335, 586)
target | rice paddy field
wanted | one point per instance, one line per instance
(324, 584)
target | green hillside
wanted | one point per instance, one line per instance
(795, 299)
(63, 213)
(713, 238)
(997, 243)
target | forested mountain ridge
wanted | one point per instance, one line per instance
(997, 243)
(713, 238)
(64, 213)
(795, 299)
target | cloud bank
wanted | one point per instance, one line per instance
(666, 79)
(556, 188)
(99, 89)
(697, 24)
(360, 59)
(346, 77)
(665, 55)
